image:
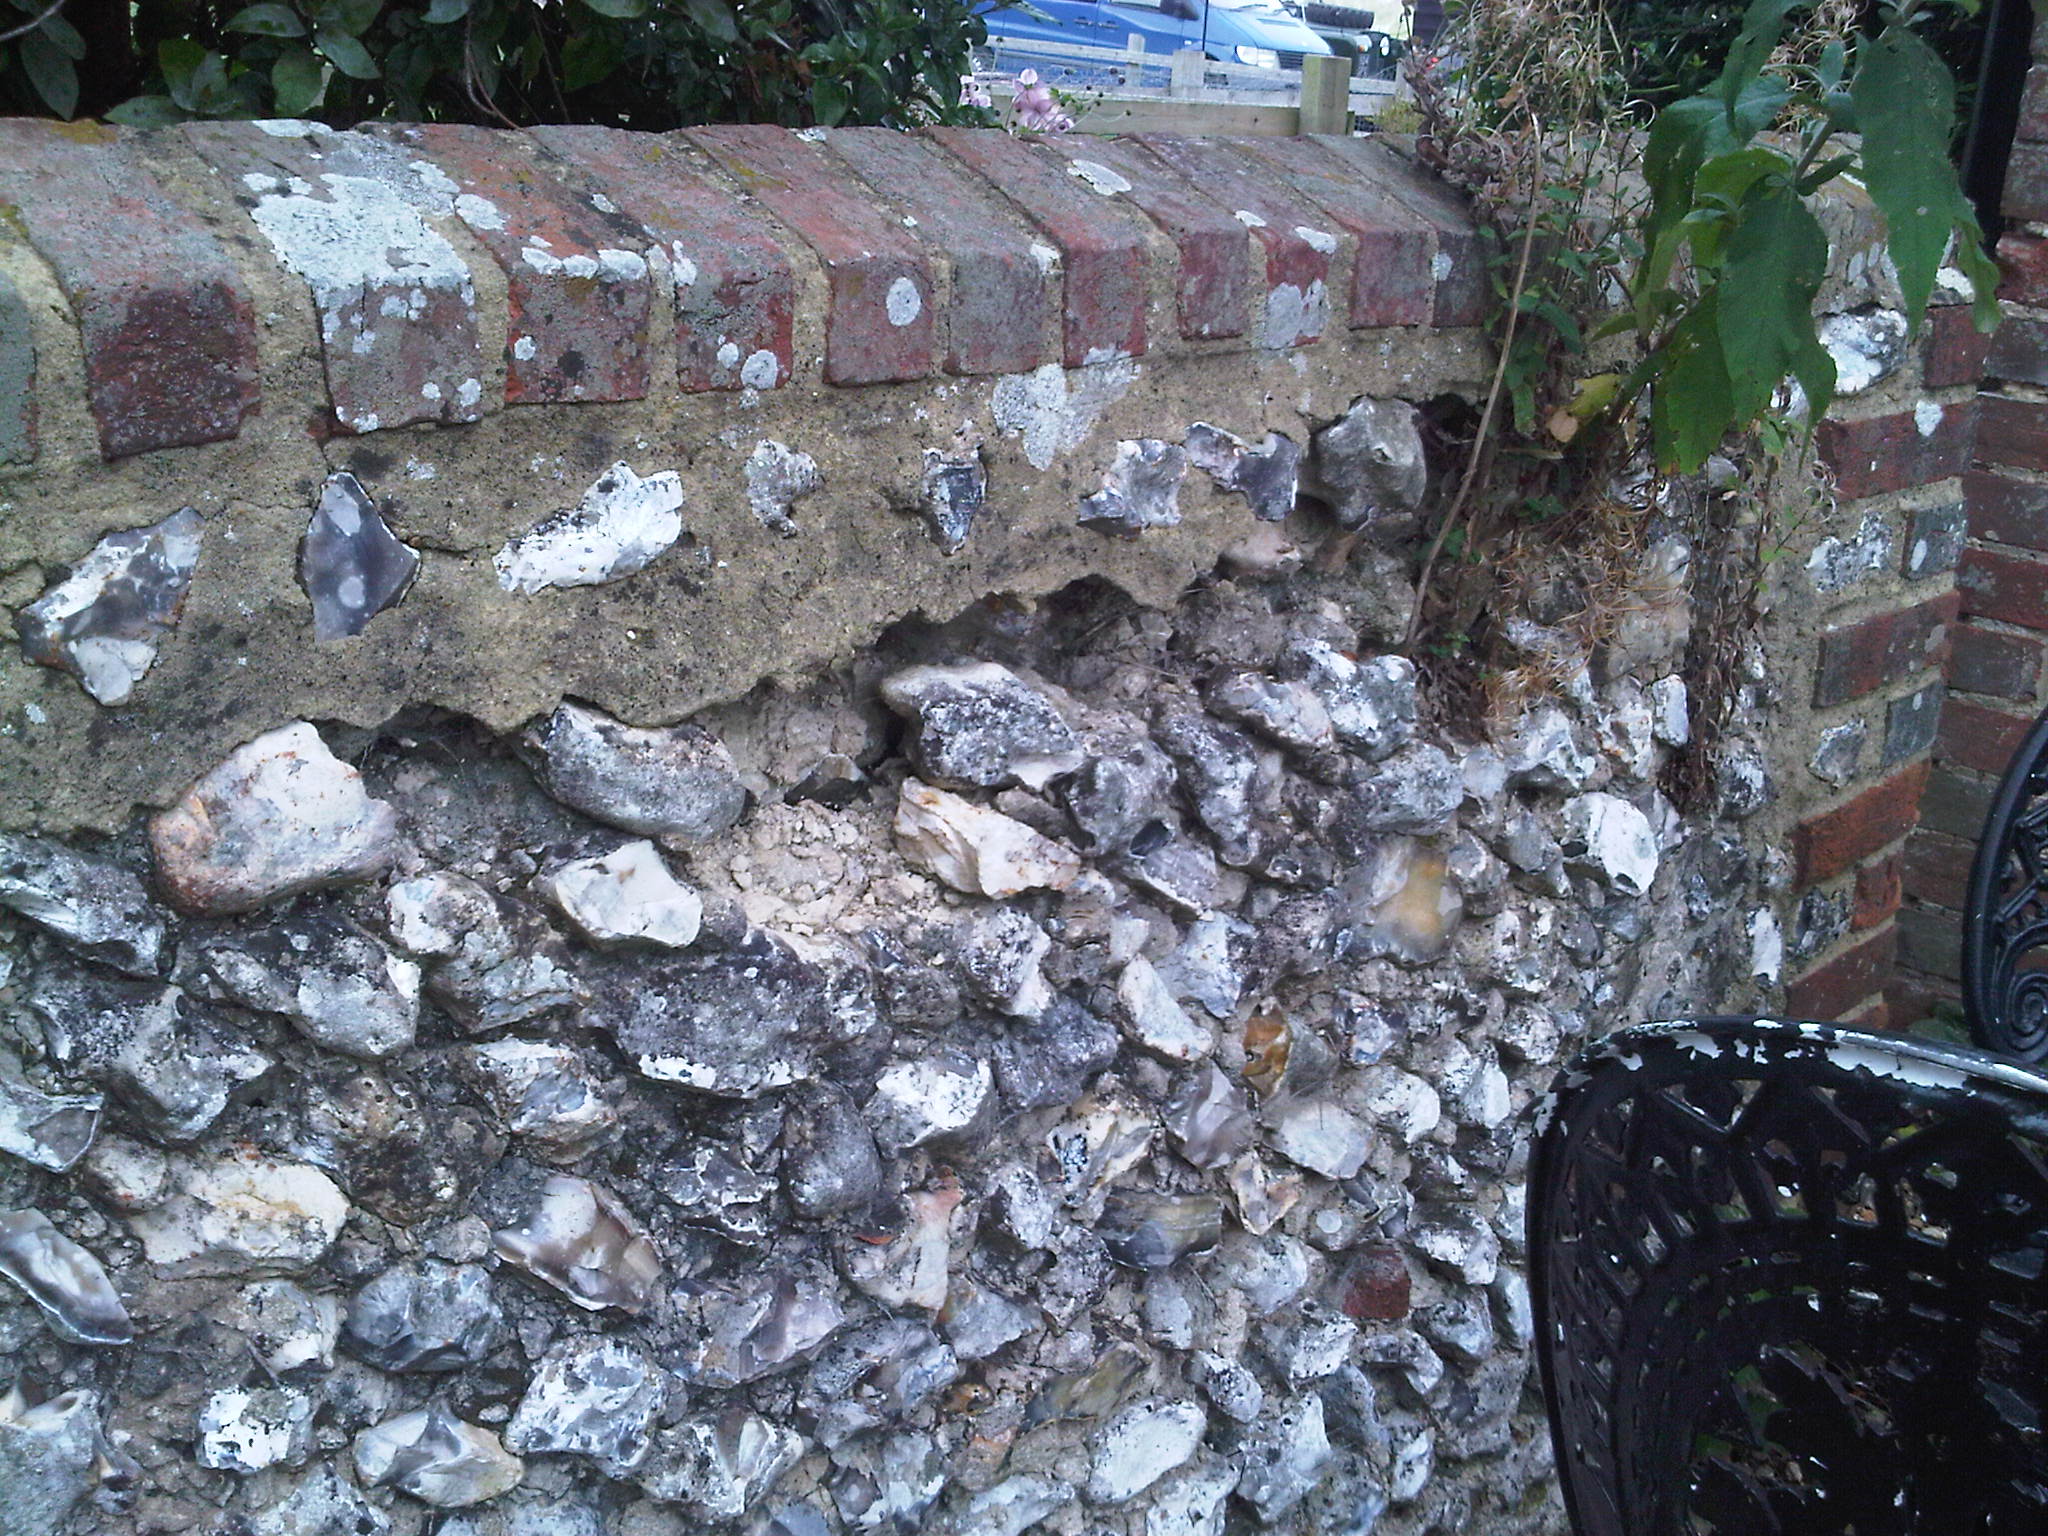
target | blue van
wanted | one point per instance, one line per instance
(1256, 34)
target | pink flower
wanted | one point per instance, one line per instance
(1035, 107)
(974, 94)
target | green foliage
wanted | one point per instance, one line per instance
(1723, 298)
(650, 64)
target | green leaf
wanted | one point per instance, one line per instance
(1692, 409)
(1905, 101)
(346, 55)
(1771, 271)
(65, 36)
(830, 100)
(177, 58)
(590, 56)
(53, 75)
(715, 17)
(300, 81)
(619, 10)
(441, 12)
(268, 20)
(1762, 24)
(147, 112)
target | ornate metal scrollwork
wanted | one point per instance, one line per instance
(2005, 916)
(1791, 1278)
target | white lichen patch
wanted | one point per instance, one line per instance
(1053, 410)
(1294, 314)
(1100, 178)
(622, 523)
(904, 304)
(1317, 239)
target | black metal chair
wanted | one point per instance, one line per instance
(1792, 1278)
(2005, 915)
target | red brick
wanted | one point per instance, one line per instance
(1998, 585)
(1878, 892)
(1911, 996)
(1859, 658)
(1889, 453)
(165, 322)
(1845, 985)
(1212, 284)
(1938, 868)
(878, 319)
(2011, 431)
(1955, 348)
(1003, 297)
(2017, 354)
(398, 323)
(1463, 289)
(1974, 736)
(579, 298)
(1300, 254)
(735, 288)
(1835, 842)
(1392, 246)
(1874, 1016)
(1930, 942)
(2006, 511)
(1105, 248)
(2023, 263)
(1377, 1285)
(2026, 184)
(1982, 660)
(17, 378)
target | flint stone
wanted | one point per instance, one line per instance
(437, 1458)
(718, 1465)
(910, 1270)
(1417, 791)
(1157, 1231)
(1053, 1059)
(507, 966)
(584, 1243)
(1142, 1444)
(1191, 1503)
(546, 1093)
(279, 817)
(999, 957)
(1208, 966)
(675, 783)
(976, 850)
(351, 564)
(1457, 1241)
(1283, 1459)
(710, 1187)
(1369, 466)
(626, 897)
(778, 477)
(1290, 714)
(891, 1486)
(1371, 703)
(242, 1214)
(51, 1130)
(243, 1429)
(152, 1046)
(1119, 790)
(1217, 769)
(951, 494)
(1229, 1385)
(734, 1023)
(64, 1281)
(764, 1326)
(591, 1397)
(1543, 752)
(288, 1327)
(337, 986)
(104, 621)
(94, 906)
(1312, 1348)
(430, 915)
(1266, 476)
(1151, 1018)
(424, 1316)
(1210, 1117)
(321, 1501)
(1319, 1136)
(1013, 1506)
(979, 1321)
(874, 1376)
(928, 1098)
(979, 724)
(1140, 490)
(622, 524)
(1611, 840)
(829, 1161)
(47, 1457)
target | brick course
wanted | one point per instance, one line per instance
(1836, 841)
(1862, 657)
(1993, 661)
(1905, 448)
(1836, 988)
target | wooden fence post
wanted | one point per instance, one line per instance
(1188, 77)
(1325, 94)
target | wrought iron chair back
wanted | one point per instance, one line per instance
(1793, 1278)
(2005, 915)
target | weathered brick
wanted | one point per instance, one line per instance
(1955, 348)
(2026, 184)
(165, 322)
(2006, 666)
(1930, 942)
(1938, 868)
(1956, 803)
(1875, 1016)
(1862, 657)
(735, 288)
(2023, 266)
(1976, 736)
(1105, 248)
(17, 378)
(578, 294)
(1878, 892)
(2010, 431)
(1836, 841)
(878, 319)
(1934, 540)
(1997, 584)
(2018, 353)
(1300, 252)
(1888, 453)
(2003, 510)
(1839, 987)
(1460, 263)
(1911, 996)
(397, 307)
(1004, 292)
(1910, 724)
(1393, 247)
(1212, 284)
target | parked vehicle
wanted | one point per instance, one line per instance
(1256, 34)
(1350, 32)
